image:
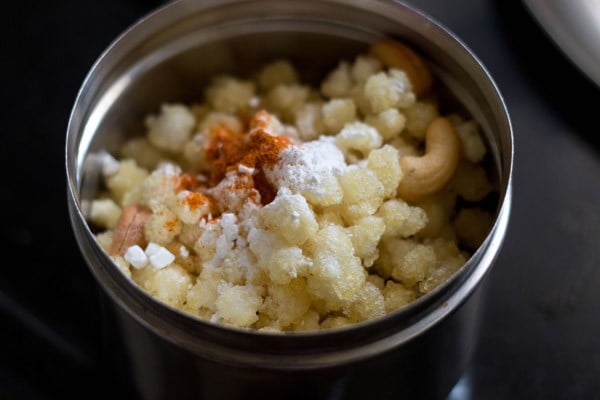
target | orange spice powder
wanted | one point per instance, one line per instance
(227, 150)
(187, 182)
(194, 200)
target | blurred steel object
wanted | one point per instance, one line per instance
(574, 25)
(417, 352)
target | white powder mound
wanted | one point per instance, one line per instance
(303, 168)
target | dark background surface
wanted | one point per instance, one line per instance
(541, 332)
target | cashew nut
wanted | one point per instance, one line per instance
(130, 229)
(394, 54)
(429, 173)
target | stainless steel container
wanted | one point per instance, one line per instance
(418, 352)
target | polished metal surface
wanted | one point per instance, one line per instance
(575, 27)
(422, 349)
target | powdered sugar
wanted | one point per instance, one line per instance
(304, 167)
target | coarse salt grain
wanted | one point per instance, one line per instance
(245, 169)
(162, 258)
(183, 251)
(152, 248)
(158, 256)
(136, 257)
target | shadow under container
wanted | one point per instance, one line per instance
(416, 352)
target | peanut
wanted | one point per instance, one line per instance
(130, 229)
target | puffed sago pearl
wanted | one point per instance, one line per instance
(309, 120)
(418, 117)
(213, 119)
(360, 137)
(401, 219)
(363, 193)
(337, 113)
(170, 284)
(171, 128)
(337, 274)
(228, 94)
(441, 273)
(396, 296)
(122, 265)
(338, 83)
(364, 66)
(308, 322)
(128, 177)
(286, 100)
(472, 226)
(389, 90)
(365, 235)
(238, 305)
(104, 213)
(145, 154)
(470, 181)
(290, 216)
(278, 72)
(385, 162)
(369, 304)
(389, 123)
(335, 322)
(287, 303)
(282, 262)
(472, 144)
(411, 265)
(162, 226)
(203, 295)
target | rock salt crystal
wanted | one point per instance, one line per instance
(136, 257)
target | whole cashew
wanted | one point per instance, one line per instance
(130, 229)
(394, 54)
(429, 173)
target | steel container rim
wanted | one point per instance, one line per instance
(297, 350)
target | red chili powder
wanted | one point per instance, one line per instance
(227, 150)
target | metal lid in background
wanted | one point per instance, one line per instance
(574, 25)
